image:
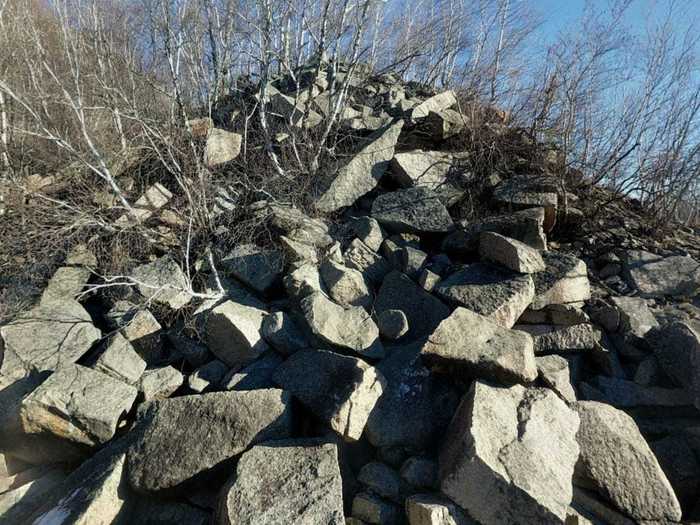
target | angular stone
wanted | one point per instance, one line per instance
(182, 437)
(140, 328)
(346, 286)
(304, 476)
(429, 169)
(121, 361)
(153, 199)
(222, 146)
(207, 377)
(77, 404)
(510, 454)
(488, 290)
(428, 280)
(296, 225)
(423, 311)
(304, 280)
(362, 174)
(163, 281)
(253, 266)
(656, 276)
(471, 345)
(529, 191)
(160, 383)
(412, 210)
(564, 280)
(374, 510)
(617, 460)
(635, 316)
(562, 340)
(441, 125)
(392, 323)
(67, 282)
(255, 376)
(367, 230)
(233, 333)
(48, 335)
(429, 509)
(411, 261)
(380, 479)
(18, 505)
(556, 314)
(340, 390)
(437, 103)
(282, 333)
(420, 472)
(512, 254)
(628, 394)
(554, 372)
(195, 353)
(372, 265)
(351, 328)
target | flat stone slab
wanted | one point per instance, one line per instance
(121, 361)
(163, 281)
(233, 333)
(653, 275)
(471, 344)
(564, 280)
(499, 294)
(554, 371)
(160, 383)
(67, 282)
(563, 339)
(429, 169)
(529, 191)
(340, 390)
(511, 253)
(182, 437)
(293, 481)
(412, 210)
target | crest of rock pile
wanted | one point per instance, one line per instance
(398, 364)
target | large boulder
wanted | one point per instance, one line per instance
(436, 103)
(636, 318)
(499, 294)
(509, 455)
(512, 254)
(471, 344)
(121, 361)
(529, 191)
(362, 174)
(564, 280)
(255, 267)
(412, 210)
(340, 390)
(429, 169)
(180, 438)
(163, 281)
(67, 282)
(616, 459)
(653, 275)
(346, 286)
(285, 482)
(351, 328)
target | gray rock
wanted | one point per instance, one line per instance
(428, 280)
(346, 286)
(67, 282)
(182, 437)
(648, 372)
(285, 482)
(303, 280)
(436, 103)
(372, 265)
(412, 261)
(590, 504)
(554, 372)
(78, 405)
(255, 376)
(471, 345)
(635, 315)
(48, 335)
(207, 377)
(282, 333)
(557, 314)
(423, 311)
(254, 266)
(420, 472)
(351, 328)
(340, 390)
(380, 479)
(195, 353)
(153, 199)
(27, 475)
(18, 505)
(680, 466)
(121, 361)
(150, 511)
(222, 146)
(529, 191)
(392, 324)
(653, 275)
(617, 460)
(233, 333)
(412, 210)
(367, 230)
(163, 281)
(140, 328)
(429, 169)
(512, 254)
(374, 510)
(628, 394)
(499, 294)
(160, 383)
(429, 509)
(562, 339)
(565, 280)
(362, 174)
(509, 455)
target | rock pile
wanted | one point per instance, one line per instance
(398, 365)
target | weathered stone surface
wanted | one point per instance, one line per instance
(368, 230)
(163, 281)
(153, 199)
(255, 376)
(429, 169)
(346, 286)
(352, 328)
(121, 361)
(17, 505)
(488, 290)
(423, 311)
(471, 344)
(372, 265)
(222, 146)
(253, 266)
(420, 472)
(374, 510)
(439, 102)
(653, 275)
(140, 328)
(617, 460)
(412, 210)
(233, 333)
(529, 191)
(392, 324)
(628, 394)
(635, 316)
(303, 280)
(282, 333)
(556, 314)
(67, 282)
(296, 225)
(182, 437)
(562, 340)
(564, 280)
(509, 455)
(340, 390)
(77, 404)
(285, 482)
(380, 479)
(428, 280)
(510, 253)
(207, 377)
(554, 371)
(361, 175)
(429, 509)
(411, 261)
(195, 353)
(48, 335)
(160, 383)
